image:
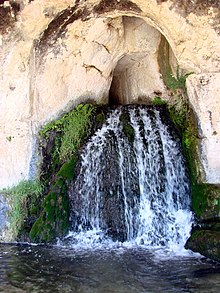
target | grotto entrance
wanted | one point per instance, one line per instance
(139, 73)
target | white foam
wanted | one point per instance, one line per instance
(158, 215)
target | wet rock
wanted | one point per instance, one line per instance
(4, 221)
(205, 242)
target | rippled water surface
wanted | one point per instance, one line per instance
(122, 270)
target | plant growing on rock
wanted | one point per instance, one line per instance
(67, 135)
(178, 82)
(205, 197)
(75, 129)
(21, 200)
(40, 209)
(157, 101)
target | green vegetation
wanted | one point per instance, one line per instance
(126, 126)
(205, 197)
(22, 198)
(61, 139)
(64, 137)
(157, 101)
(179, 111)
(100, 118)
(54, 218)
(206, 200)
(178, 82)
(206, 242)
(40, 209)
(73, 128)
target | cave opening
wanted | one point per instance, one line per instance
(140, 72)
(123, 84)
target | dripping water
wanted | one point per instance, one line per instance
(132, 184)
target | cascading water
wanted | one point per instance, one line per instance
(132, 184)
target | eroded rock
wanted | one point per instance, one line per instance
(57, 53)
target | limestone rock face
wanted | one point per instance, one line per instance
(55, 54)
(204, 93)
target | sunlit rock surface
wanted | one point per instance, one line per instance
(55, 54)
(204, 93)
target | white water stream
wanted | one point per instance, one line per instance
(135, 190)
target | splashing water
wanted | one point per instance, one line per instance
(132, 184)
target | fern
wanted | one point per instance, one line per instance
(178, 82)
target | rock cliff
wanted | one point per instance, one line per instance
(55, 54)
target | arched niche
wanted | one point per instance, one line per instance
(140, 72)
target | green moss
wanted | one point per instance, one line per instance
(183, 118)
(65, 136)
(70, 131)
(129, 132)
(75, 130)
(205, 242)
(199, 199)
(206, 201)
(178, 117)
(22, 199)
(67, 170)
(100, 118)
(126, 126)
(54, 219)
(205, 197)
(215, 227)
(157, 101)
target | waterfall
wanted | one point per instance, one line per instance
(131, 183)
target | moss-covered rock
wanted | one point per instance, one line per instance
(126, 126)
(157, 101)
(60, 143)
(23, 198)
(206, 201)
(205, 197)
(54, 219)
(100, 118)
(205, 242)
